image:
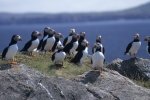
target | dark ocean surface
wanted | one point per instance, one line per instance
(115, 34)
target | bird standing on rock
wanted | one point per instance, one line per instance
(45, 36)
(49, 42)
(82, 53)
(59, 56)
(10, 51)
(98, 59)
(133, 46)
(71, 47)
(148, 46)
(69, 38)
(32, 44)
(81, 39)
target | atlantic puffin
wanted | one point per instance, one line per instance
(148, 45)
(133, 46)
(71, 47)
(98, 59)
(59, 56)
(82, 53)
(49, 42)
(98, 43)
(10, 51)
(81, 39)
(58, 36)
(69, 38)
(32, 44)
(45, 36)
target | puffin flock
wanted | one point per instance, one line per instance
(74, 46)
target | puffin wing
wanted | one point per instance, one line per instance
(43, 44)
(128, 47)
(103, 50)
(40, 44)
(65, 41)
(27, 45)
(149, 50)
(77, 57)
(4, 52)
(53, 56)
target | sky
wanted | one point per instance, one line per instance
(69, 6)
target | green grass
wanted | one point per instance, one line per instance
(43, 63)
(145, 84)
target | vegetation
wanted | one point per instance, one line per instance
(43, 63)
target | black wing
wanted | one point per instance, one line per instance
(40, 44)
(43, 44)
(27, 45)
(4, 52)
(103, 50)
(128, 47)
(53, 56)
(77, 57)
(93, 50)
(149, 50)
(68, 47)
(65, 41)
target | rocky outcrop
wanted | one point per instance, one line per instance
(134, 68)
(22, 83)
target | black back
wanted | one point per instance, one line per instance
(69, 45)
(53, 56)
(80, 41)
(79, 55)
(128, 47)
(40, 44)
(65, 41)
(55, 44)
(27, 46)
(149, 47)
(12, 42)
(4, 52)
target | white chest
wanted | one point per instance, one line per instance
(12, 50)
(69, 39)
(135, 47)
(49, 44)
(34, 45)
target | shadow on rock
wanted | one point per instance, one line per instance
(5, 66)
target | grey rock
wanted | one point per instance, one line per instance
(110, 85)
(23, 83)
(134, 68)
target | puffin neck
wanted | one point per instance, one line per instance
(57, 39)
(33, 38)
(50, 35)
(136, 40)
(98, 41)
(45, 34)
(12, 42)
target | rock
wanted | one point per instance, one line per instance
(23, 83)
(135, 68)
(112, 86)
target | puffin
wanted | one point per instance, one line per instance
(81, 39)
(32, 44)
(133, 46)
(58, 36)
(45, 36)
(82, 53)
(58, 56)
(50, 41)
(71, 47)
(69, 38)
(98, 59)
(97, 44)
(10, 51)
(147, 39)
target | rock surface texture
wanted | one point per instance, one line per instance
(134, 68)
(24, 83)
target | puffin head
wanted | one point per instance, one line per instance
(85, 43)
(16, 38)
(58, 35)
(82, 34)
(147, 38)
(35, 34)
(46, 30)
(136, 36)
(99, 38)
(72, 31)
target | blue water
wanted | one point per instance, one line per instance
(115, 34)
